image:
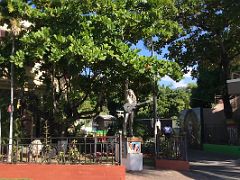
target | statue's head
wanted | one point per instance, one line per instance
(131, 96)
(130, 92)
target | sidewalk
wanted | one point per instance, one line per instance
(203, 166)
(150, 173)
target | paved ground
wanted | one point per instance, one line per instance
(203, 166)
(214, 166)
(152, 174)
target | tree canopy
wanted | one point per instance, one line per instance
(84, 52)
(211, 41)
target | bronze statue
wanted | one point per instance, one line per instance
(129, 107)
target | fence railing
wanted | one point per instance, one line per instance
(67, 150)
(174, 147)
(221, 134)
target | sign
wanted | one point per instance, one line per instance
(134, 147)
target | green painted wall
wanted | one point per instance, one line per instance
(224, 149)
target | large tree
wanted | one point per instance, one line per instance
(207, 89)
(169, 102)
(211, 41)
(84, 52)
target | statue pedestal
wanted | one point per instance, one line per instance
(133, 157)
(133, 162)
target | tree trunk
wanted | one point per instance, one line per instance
(225, 76)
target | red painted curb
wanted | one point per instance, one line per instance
(62, 172)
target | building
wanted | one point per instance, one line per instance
(234, 84)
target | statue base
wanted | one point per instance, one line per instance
(132, 156)
(133, 162)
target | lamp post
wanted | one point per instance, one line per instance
(2, 34)
(3, 30)
(10, 143)
(14, 31)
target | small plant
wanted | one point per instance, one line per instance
(47, 147)
(61, 157)
(15, 153)
(73, 152)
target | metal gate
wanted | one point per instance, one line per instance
(173, 147)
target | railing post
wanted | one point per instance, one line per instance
(185, 147)
(0, 132)
(157, 145)
(95, 147)
(85, 148)
(120, 148)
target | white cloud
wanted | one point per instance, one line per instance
(167, 81)
(188, 75)
(166, 78)
(181, 83)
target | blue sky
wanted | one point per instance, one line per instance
(166, 80)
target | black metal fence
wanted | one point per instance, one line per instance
(173, 147)
(69, 150)
(216, 134)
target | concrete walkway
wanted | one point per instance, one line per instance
(152, 174)
(214, 166)
(203, 166)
